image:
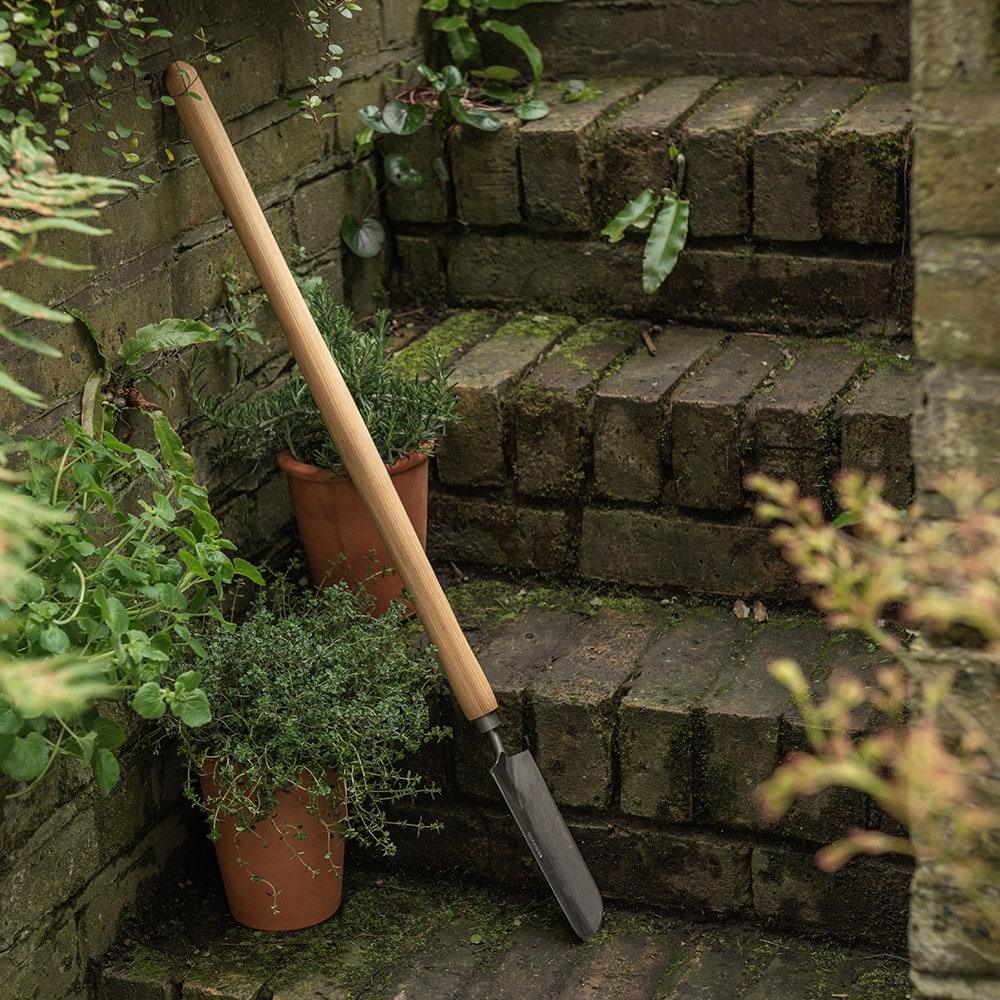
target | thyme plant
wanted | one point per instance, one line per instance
(311, 692)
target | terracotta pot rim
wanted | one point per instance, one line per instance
(291, 466)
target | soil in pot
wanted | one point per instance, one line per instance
(339, 538)
(287, 872)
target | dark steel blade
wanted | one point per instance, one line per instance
(531, 803)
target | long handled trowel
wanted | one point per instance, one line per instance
(517, 775)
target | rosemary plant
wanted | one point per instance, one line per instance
(403, 413)
(310, 684)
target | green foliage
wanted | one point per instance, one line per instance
(320, 19)
(35, 198)
(402, 413)
(464, 93)
(109, 590)
(46, 50)
(926, 758)
(310, 683)
(666, 216)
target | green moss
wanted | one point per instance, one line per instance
(450, 338)
(538, 325)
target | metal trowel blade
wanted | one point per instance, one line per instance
(531, 803)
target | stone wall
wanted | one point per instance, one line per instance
(71, 861)
(956, 226)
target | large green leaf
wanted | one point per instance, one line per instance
(638, 212)
(27, 307)
(482, 120)
(29, 342)
(364, 238)
(403, 119)
(106, 771)
(167, 334)
(23, 757)
(531, 109)
(462, 41)
(148, 701)
(666, 240)
(518, 37)
(401, 172)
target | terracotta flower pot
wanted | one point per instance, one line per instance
(339, 538)
(287, 872)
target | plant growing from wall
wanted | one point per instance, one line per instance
(928, 761)
(665, 215)
(465, 92)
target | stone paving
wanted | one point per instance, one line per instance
(409, 939)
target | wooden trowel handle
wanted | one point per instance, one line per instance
(340, 414)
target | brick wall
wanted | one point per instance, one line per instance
(955, 953)
(71, 861)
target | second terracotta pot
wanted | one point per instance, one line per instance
(339, 538)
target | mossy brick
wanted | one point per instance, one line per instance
(957, 298)
(484, 170)
(668, 550)
(626, 966)
(828, 814)
(446, 966)
(668, 867)
(957, 124)
(632, 149)
(284, 149)
(792, 426)
(536, 965)
(955, 426)
(865, 901)
(47, 968)
(658, 729)
(875, 431)
(401, 22)
(552, 409)
(208, 982)
(779, 291)
(125, 982)
(49, 285)
(350, 96)
(517, 271)
(864, 158)
(631, 415)
(802, 969)
(249, 76)
(949, 44)
(743, 711)
(716, 143)
(472, 453)
(787, 157)
(127, 304)
(452, 337)
(431, 202)
(50, 869)
(490, 532)
(196, 276)
(942, 949)
(556, 157)
(574, 697)
(421, 274)
(318, 208)
(512, 657)
(707, 414)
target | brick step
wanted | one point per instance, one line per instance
(653, 724)
(399, 938)
(581, 451)
(797, 191)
